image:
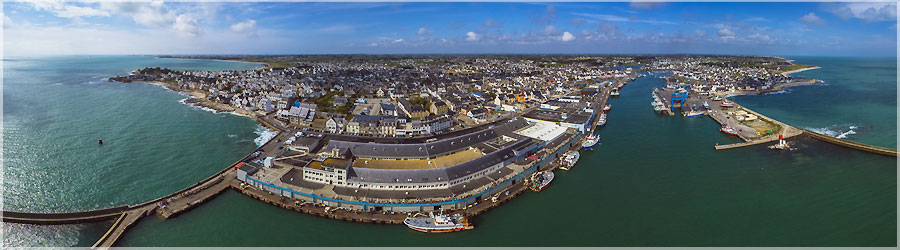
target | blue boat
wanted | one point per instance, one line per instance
(590, 142)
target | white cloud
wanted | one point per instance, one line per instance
(398, 40)
(725, 34)
(186, 26)
(867, 12)
(244, 26)
(424, 31)
(60, 9)
(7, 22)
(811, 18)
(614, 18)
(472, 36)
(80, 40)
(71, 11)
(567, 37)
(153, 14)
(760, 38)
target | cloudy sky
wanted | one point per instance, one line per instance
(764, 28)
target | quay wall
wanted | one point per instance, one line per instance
(64, 218)
(854, 145)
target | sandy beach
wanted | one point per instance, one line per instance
(799, 70)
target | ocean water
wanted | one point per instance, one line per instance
(655, 181)
(55, 109)
(857, 101)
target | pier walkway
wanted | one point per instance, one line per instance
(125, 221)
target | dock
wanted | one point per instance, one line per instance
(195, 196)
(125, 221)
(787, 131)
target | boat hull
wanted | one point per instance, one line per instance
(437, 230)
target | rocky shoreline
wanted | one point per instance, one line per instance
(198, 98)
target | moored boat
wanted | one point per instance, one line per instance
(705, 105)
(607, 107)
(438, 223)
(728, 130)
(693, 113)
(569, 159)
(601, 120)
(541, 180)
(725, 104)
(590, 142)
(615, 92)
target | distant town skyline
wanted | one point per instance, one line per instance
(763, 28)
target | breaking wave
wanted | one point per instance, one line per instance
(837, 131)
(265, 135)
(196, 106)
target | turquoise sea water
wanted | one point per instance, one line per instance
(655, 181)
(857, 101)
(56, 108)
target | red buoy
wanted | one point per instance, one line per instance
(100, 142)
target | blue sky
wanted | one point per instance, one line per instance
(762, 28)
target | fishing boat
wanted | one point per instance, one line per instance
(728, 130)
(541, 180)
(607, 107)
(590, 142)
(438, 223)
(693, 113)
(659, 108)
(569, 159)
(614, 93)
(725, 104)
(601, 120)
(717, 98)
(705, 105)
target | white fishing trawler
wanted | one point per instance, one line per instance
(438, 223)
(601, 120)
(569, 159)
(590, 142)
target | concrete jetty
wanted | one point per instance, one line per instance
(787, 131)
(197, 195)
(64, 218)
(125, 221)
(854, 145)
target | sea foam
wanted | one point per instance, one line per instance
(837, 131)
(265, 135)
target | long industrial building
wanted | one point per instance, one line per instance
(451, 169)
